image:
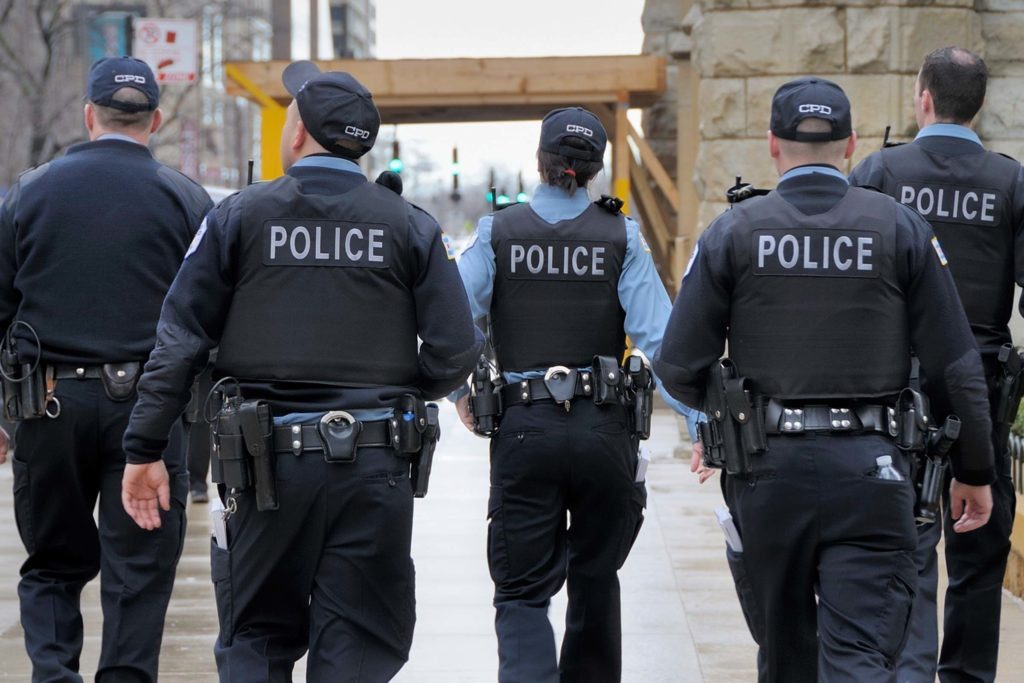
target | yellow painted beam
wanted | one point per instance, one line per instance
(272, 117)
(272, 121)
(621, 154)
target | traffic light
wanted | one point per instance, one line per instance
(522, 197)
(395, 164)
(456, 195)
(503, 198)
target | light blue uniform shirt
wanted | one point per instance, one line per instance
(362, 414)
(641, 292)
(807, 170)
(949, 130)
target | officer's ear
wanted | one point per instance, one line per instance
(299, 139)
(158, 118)
(89, 115)
(773, 145)
(851, 146)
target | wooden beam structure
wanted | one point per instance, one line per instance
(486, 89)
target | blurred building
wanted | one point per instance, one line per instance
(324, 29)
(45, 55)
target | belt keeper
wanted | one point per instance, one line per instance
(524, 392)
(296, 440)
(588, 388)
(393, 436)
(840, 419)
(793, 420)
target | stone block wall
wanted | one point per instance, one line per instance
(745, 49)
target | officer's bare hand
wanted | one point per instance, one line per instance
(970, 506)
(697, 463)
(465, 414)
(145, 490)
(5, 443)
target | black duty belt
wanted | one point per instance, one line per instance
(527, 391)
(792, 418)
(77, 371)
(297, 439)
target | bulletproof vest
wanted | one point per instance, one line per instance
(323, 288)
(967, 200)
(817, 308)
(556, 298)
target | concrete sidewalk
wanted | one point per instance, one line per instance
(681, 619)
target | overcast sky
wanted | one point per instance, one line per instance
(488, 28)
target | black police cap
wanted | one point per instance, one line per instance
(110, 74)
(807, 98)
(335, 108)
(573, 122)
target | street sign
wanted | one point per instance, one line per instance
(170, 47)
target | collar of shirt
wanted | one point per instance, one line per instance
(118, 136)
(327, 161)
(812, 168)
(949, 130)
(553, 204)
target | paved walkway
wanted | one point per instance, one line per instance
(681, 620)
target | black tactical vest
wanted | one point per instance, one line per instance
(556, 299)
(818, 310)
(323, 288)
(967, 200)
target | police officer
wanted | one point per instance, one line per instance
(89, 244)
(315, 286)
(563, 279)
(821, 290)
(974, 200)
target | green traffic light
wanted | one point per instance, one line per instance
(503, 199)
(396, 165)
(456, 170)
(490, 197)
(522, 197)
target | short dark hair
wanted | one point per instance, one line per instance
(117, 119)
(553, 167)
(956, 78)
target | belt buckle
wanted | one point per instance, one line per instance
(561, 384)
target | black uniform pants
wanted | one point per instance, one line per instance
(546, 463)
(826, 577)
(328, 572)
(60, 468)
(975, 565)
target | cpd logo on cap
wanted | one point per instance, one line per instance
(573, 128)
(357, 132)
(129, 78)
(815, 109)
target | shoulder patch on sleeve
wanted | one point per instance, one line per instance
(197, 239)
(693, 259)
(449, 246)
(938, 251)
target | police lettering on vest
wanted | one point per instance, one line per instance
(950, 204)
(325, 243)
(823, 253)
(557, 260)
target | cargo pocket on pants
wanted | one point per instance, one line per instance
(23, 503)
(497, 548)
(220, 572)
(637, 505)
(745, 592)
(893, 620)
